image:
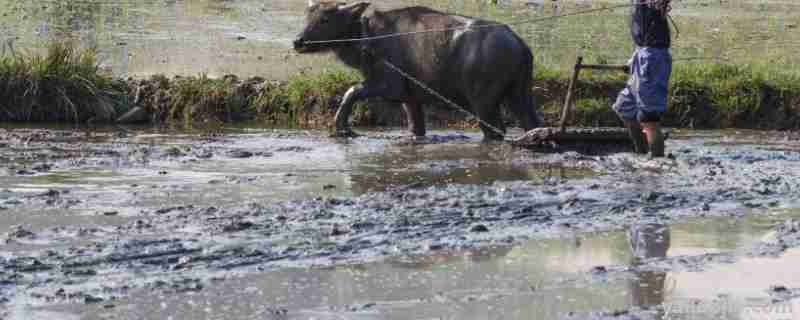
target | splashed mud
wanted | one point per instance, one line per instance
(381, 226)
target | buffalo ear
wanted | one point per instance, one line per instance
(355, 9)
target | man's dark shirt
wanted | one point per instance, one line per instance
(649, 26)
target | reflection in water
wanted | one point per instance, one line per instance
(296, 168)
(442, 257)
(542, 279)
(648, 241)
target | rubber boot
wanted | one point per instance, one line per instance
(655, 139)
(637, 137)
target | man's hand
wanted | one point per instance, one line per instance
(664, 6)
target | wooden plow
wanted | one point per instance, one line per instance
(586, 140)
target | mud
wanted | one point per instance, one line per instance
(113, 216)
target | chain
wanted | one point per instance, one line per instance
(441, 97)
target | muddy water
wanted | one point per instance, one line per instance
(140, 38)
(543, 279)
(253, 37)
(132, 223)
(150, 169)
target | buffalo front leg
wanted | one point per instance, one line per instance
(416, 119)
(353, 95)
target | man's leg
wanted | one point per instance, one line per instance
(635, 131)
(626, 109)
(653, 83)
(655, 138)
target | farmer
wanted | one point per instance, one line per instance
(644, 99)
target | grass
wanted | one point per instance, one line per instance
(702, 95)
(195, 99)
(63, 84)
(305, 99)
(742, 96)
(303, 95)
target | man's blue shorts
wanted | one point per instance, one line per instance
(644, 98)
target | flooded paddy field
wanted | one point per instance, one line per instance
(248, 223)
(253, 38)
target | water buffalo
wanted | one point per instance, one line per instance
(476, 67)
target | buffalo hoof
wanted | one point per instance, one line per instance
(491, 139)
(344, 133)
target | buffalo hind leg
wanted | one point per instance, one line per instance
(416, 119)
(491, 115)
(522, 105)
(486, 105)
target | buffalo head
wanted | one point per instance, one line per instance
(328, 20)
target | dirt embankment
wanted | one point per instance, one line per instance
(311, 101)
(65, 85)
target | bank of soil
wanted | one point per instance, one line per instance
(66, 86)
(101, 215)
(720, 97)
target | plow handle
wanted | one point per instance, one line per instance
(570, 94)
(573, 82)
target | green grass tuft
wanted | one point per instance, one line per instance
(196, 99)
(63, 84)
(303, 95)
